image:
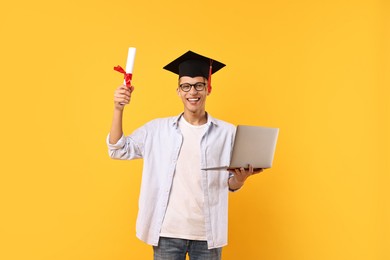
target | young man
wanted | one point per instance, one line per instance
(182, 209)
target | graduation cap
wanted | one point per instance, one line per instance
(193, 65)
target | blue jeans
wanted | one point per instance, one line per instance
(177, 249)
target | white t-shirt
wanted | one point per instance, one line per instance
(184, 217)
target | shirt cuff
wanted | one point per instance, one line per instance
(119, 144)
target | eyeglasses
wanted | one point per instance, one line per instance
(199, 86)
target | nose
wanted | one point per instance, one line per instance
(193, 90)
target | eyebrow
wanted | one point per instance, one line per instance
(192, 84)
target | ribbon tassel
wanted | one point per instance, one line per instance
(127, 76)
(210, 72)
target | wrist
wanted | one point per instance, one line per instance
(238, 182)
(235, 184)
(118, 109)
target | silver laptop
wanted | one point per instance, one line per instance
(253, 145)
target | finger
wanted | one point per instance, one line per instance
(122, 97)
(257, 170)
(126, 92)
(122, 87)
(118, 96)
(122, 102)
(121, 94)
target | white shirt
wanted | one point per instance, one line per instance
(184, 217)
(158, 143)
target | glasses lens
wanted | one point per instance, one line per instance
(199, 86)
(185, 87)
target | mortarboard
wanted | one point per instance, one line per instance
(193, 65)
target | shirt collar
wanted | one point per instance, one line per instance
(210, 120)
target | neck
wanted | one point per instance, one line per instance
(195, 118)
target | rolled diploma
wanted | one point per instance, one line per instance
(130, 61)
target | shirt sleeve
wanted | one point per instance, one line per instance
(119, 144)
(127, 147)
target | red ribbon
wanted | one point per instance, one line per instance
(127, 76)
(210, 72)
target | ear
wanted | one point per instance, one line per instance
(178, 92)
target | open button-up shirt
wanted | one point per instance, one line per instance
(158, 142)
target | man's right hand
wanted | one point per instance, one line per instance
(122, 96)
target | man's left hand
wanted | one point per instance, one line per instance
(241, 174)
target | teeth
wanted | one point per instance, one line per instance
(193, 99)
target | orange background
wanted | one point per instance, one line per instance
(319, 70)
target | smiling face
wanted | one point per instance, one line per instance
(194, 101)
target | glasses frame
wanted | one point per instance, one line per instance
(203, 86)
